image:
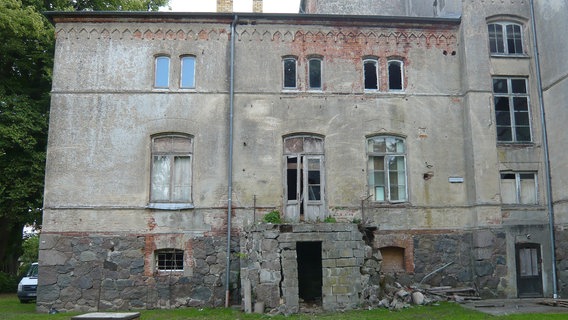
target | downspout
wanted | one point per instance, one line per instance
(548, 178)
(230, 159)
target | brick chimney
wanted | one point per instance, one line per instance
(227, 5)
(256, 5)
(224, 5)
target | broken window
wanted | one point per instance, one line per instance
(518, 188)
(395, 73)
(162, 72)
(371, 74)
(169, 260)
(505, 38)
(314, 66)
(171, 169)
(387, 169)
(289, 65)
(187, 72)
(512, 114)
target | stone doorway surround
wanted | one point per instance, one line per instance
(269, 263)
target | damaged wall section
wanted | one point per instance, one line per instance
(269, 261)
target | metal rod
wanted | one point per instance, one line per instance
(230, 160)
(548, 180)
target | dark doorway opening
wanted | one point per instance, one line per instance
(309, 271)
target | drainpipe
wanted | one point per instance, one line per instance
(548, 182)
(230, 159)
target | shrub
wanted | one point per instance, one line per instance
(329, 220)
(8, 283)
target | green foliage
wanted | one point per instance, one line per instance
(273, 217)
(8, 283)
(26, 62)
(329, 220)
(30, 249)
(106, 5)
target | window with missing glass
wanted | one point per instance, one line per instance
(315, 74)
(396, 75)
(371, 74)
(289, 65)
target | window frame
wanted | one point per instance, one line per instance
(400, 63)
(375, 61)
(171, 155)
(285, 73)
(182, 74)
(386, 156)
(161, 265)
(504, 41)
(518, 187)
(309, 75)
(513, 109)
(159, 71)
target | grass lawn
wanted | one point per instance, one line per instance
(12, 309)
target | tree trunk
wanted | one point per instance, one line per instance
(10, 245)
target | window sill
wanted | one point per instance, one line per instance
(170, 206)
(509, 56)
(377, 204)
(515, 144)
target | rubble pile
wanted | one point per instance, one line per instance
(396, 297)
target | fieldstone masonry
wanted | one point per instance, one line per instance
(269, 262)
(103, 273)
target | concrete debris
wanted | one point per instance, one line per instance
(396, 297)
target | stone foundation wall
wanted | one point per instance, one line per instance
(269, 263)
(561, 239)
(111, 272)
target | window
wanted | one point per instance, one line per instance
(518, 188)
(314, 66)
(171, 169)
(289, 65)
(169, 260)
(505, 38)
(387, 169)
(512, 109)
(395, 75)
(370, 74)
(162, 72)
(187, 72)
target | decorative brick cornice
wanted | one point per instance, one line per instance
(441, 38)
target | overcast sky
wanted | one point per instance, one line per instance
(281, 6)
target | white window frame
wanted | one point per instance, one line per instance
(171, 203)
(284, 73)
(159, 70)
(401, 70)
(183, 75)
(504, 39)
(518, 186)
(386, 156)
(309, 82)
(376, 64)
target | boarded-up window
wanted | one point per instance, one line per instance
(518, 188)
(393, 259)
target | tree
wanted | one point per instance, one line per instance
(26, 60)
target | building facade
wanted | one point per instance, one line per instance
(403, 141)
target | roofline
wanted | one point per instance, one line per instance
(161, 16)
